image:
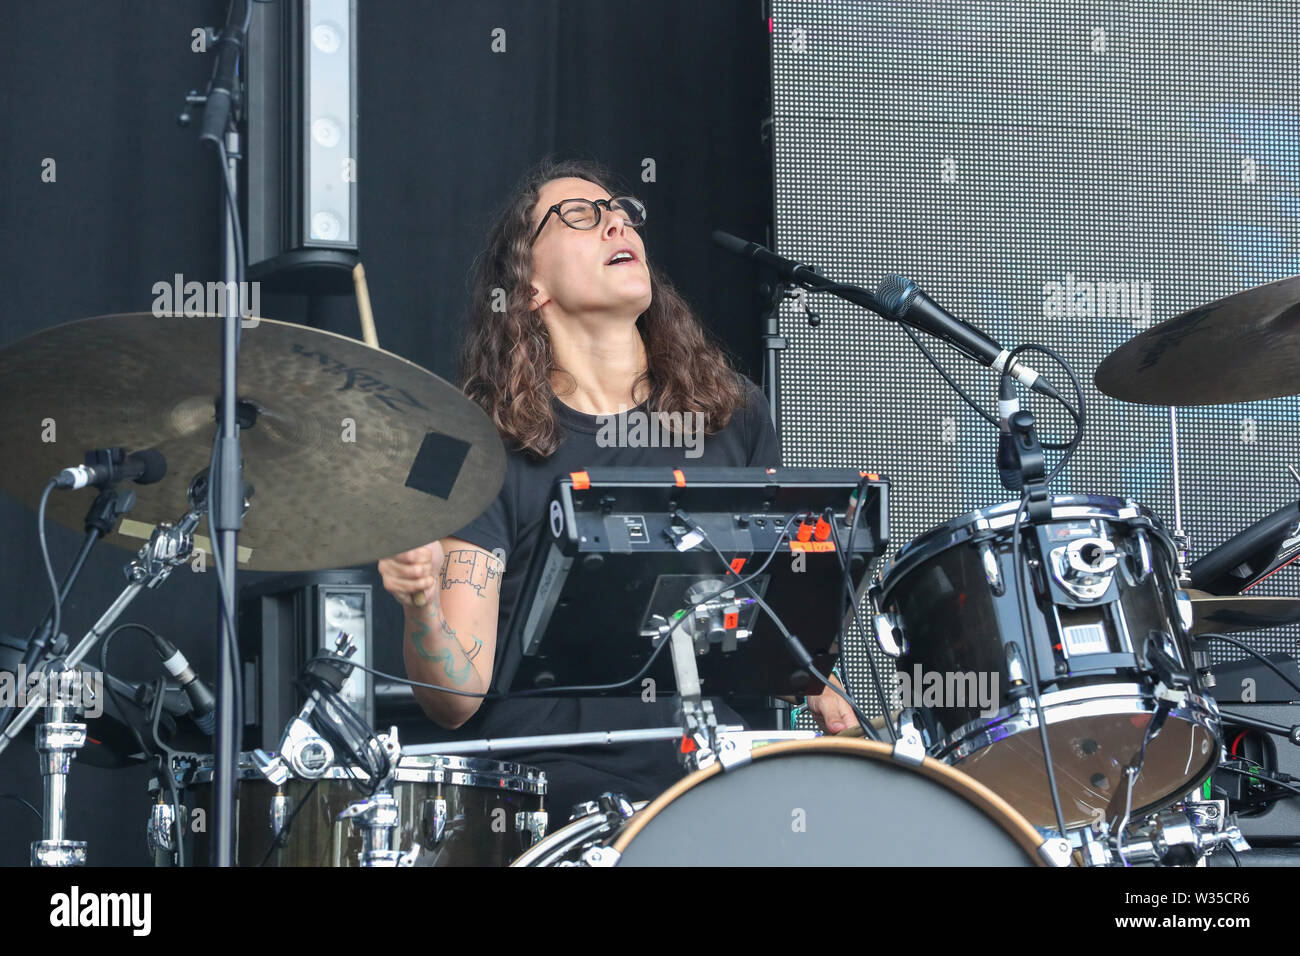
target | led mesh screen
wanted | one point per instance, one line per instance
(1059, 173)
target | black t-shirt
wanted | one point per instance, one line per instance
(512, 523)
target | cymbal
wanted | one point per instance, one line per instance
(355, 453)
(1241, 348)
(1212, 613)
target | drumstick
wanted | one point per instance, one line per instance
(370, 336)
(368, 333)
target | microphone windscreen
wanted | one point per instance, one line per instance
(731, 243)
(155, 466)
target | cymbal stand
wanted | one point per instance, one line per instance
(57, 741)
(1181, 541)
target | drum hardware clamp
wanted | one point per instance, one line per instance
(378, 819)
(169, 546)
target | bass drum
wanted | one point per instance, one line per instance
(823, 802)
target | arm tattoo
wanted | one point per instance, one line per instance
(446, 656)
(480, 571)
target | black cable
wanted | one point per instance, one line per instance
(333, 709)
(1080, 417)
(13, 796)
(1236, 858)
(1295, 791)
(1242, 645)
(108, 685)
(49, 567)
(796, 647)
(845, 557)
(226, 611)
(979, 410)
(281, 839)
(165, 759)
(581, 688)
(1031, 654)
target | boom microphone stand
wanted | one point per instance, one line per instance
(221, 113)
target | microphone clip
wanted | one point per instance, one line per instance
(1033, 466)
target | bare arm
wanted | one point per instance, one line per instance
(450, 640)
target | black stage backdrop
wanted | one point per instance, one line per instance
(447, 126)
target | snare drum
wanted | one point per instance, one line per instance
(462, 811)
(823, 802)
(1105, 616)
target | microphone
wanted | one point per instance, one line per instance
(903, 301)
(787, 269)
(900, 300)
(224, 87)
(201, 698)
(142, 467)
(1008, 457)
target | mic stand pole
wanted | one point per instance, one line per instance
(221, 116)
(773, 345)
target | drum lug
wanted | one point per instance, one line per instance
(909, 748)
(435, 819)
(1055, 852)
(1016, 673)
(161, 826)
(279, 812)
(1144, 561)
(890, 636)
(992, 569)
(601, 856)
(532, 823)
(1186, 612)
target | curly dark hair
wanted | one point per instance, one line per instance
(507, 361)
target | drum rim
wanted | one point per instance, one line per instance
(982, 797)
(1079, 696)
(451, 770)
(1196, 710)
(998, 517)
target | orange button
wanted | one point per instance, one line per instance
(581, 480)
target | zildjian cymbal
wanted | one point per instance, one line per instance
(1212, 613)
(353, 453)
(1238, 349)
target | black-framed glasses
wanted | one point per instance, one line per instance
(585, 213)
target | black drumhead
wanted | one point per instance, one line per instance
(819, 809)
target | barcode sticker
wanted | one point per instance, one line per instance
(1085, 639)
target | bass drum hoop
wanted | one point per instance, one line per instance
(956, 781)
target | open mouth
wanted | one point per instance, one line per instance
(622, 257)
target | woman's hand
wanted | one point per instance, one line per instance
(412, 577)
